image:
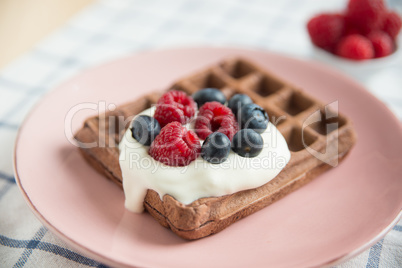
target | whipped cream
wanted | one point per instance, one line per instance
(201, 178)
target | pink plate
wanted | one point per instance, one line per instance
(331, 219)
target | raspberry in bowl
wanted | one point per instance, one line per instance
(360, 40)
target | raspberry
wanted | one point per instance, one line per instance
(367, 15)
(350, 29)
(392, 24)
(325, 30)
(175, 145)
(214, 116)
(382, 43)
(175, 106)
(355, 47)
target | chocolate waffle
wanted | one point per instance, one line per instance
(318, 138)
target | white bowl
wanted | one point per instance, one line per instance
(361, 70)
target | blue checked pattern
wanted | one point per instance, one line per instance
(110, 29)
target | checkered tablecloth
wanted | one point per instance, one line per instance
(110, 29)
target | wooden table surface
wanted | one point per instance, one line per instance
(25, 22)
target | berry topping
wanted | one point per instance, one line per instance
(175, 145)
(355, 47)
(247, 143)
(366, 15)
(216, 148)
(325, 30)
(207, 95)
(175, 106)
(144, 129)
(382, 43)
(237, 101)
(254, 117)
(392, 24)
(214, 116)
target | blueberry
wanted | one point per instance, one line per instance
(216, 148)
(207, 95)
(238, 101)
(254, 117)
(144, 129)
(247, 143)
